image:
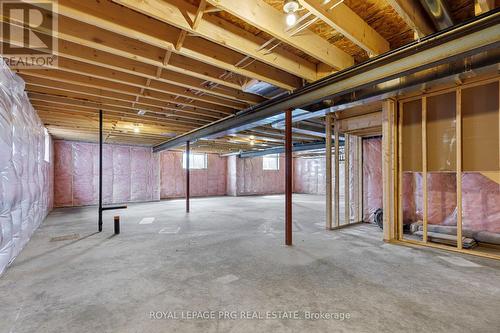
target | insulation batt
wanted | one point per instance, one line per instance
(25, 176)
(130, 174)
(372, 177)
(203, 182)
(251, 179)
(480, 200)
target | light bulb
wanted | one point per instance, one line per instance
(136, 129)
(291, 19)
(252, 143)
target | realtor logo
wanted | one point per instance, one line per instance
(29, 33)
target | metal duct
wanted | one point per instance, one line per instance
(279, 150)
(439, 13)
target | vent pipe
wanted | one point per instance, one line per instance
(439, 13)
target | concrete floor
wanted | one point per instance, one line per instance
(227, 255)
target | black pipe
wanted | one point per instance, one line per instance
(288, 177)
(187, 175)
(100, 172)
(114, 207)
(117, 225)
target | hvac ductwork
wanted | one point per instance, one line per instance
(439, 13)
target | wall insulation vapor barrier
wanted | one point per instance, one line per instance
(25, 174)
(450, 167)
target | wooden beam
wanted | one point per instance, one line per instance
(119, 87)
(414, 16)
(95, 35)
(181, 14)
(424, 169)
(458, 134)
(270, 20)
(336, 187)
(142, 103)
(199, 14)
(180, 40)
(77, 34)
(389, 166)
(347, 192)
(225, 38)
(344, 20)
(483, 6)
(328, 156)
(70, 101)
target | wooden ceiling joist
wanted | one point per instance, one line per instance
(143, 104)
(172, 66)
(123, 86)
(414, 15)
(344, 20)
(181, 14)
(266, 18)
(151, 120)
(39, 94)
(105, 15)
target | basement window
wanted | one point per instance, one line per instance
(196, 161)
(271, 162)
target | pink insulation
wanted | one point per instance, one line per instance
(231, 176)
(480, 203)
(130, 174)
(412, 202)
(480, 200)
(372, 177)
(25, 176)
(441, 198)
(309, 175)
(203, 182)
(251, 179)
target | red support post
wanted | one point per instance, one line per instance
(288, 177)
(187, 175)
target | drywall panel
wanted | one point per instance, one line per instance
(480, 128)
(441, 132)
(412, 136)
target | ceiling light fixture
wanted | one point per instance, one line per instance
(290, 7)
(141, 112)
(136, 128)
(291, 19)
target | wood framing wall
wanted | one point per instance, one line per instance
(447, 140)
